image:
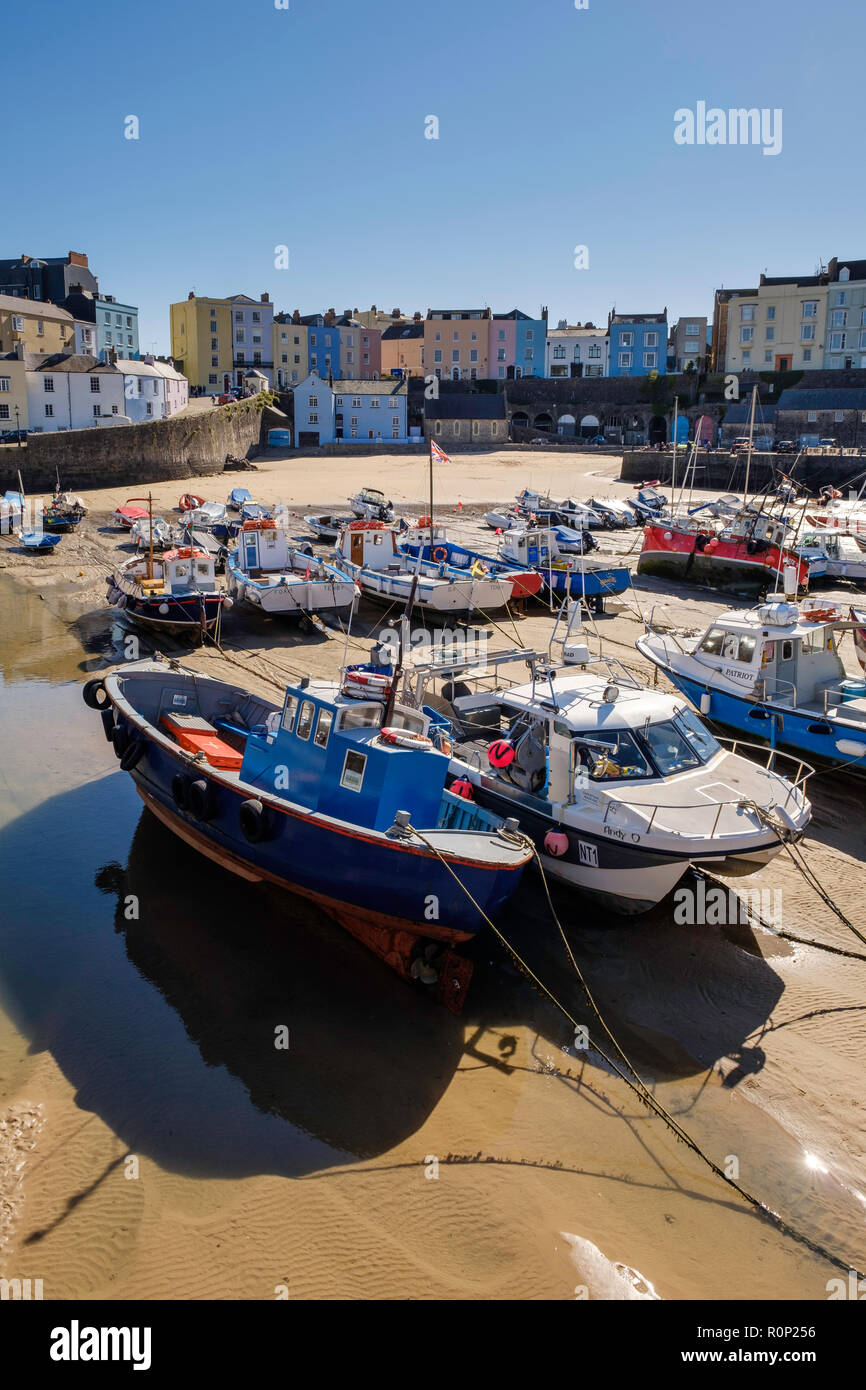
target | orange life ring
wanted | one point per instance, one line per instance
(405, 738)
(425, 521)
(440, 554)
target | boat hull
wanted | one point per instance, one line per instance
(671, 554)
(185, 616)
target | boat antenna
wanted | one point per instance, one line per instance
(431, 498)
(398, 668)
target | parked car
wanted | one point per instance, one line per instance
(226, 398)
(597, 439)
(740, 444)
(785, 446)
(13, 436)
(828, 444)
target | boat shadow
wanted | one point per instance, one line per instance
(227, 1029)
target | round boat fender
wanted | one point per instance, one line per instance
(461, 786)
(179, 785)
(108, 724)
(254, 821)
(556, 843)
(120, 739)
(91, 693)
(501, 753)
(133, 754)
(440, 554)
(201, 799)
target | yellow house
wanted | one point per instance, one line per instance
(290, 351)
(779, 328)
(13, 393)
(456, 343)
(201, 342)
(41, 327)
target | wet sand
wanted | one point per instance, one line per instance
(151, 1037)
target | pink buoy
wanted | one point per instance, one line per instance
(556, 843)
(462, 787)
(500, 753)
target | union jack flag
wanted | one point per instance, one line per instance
(438, 455)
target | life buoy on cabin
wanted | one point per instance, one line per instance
(500, 753)
(405, 738)
(440, 554)
(462, 787)
(374, 680)
(254, 821)
(556, 843)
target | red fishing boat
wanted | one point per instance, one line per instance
(747, 552)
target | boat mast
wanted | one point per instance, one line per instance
(150, 528)
(749, 453)
(431, 498)
(674, 449)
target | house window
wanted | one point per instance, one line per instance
(108, 337)
(48, 383)
(651, 339)
(353, 420)
(214, 361)
(212, 379)
(810, 308)
(5, 383)
(129, 320)
(807, 332)
(314, 419)
(812, 416)
(839, 318)
(747, 356)
(807, 354)
(768, 355)
(437, 354)
(356, 402)
(837, 342)
(314, 401)
(595, 350)
(649, 359)
(374, 402)
(257, 318)
(476, 426)
(770, 333)
(4, 411)
(455, 429)
(558, 352)
(438, 427)
(94, 383)
(115, 410)
(354, 434)
(626, 339)
(840, 297)
(837, 416)
(49, 410)
(150, 407)
(352, 776)
(395, 434)
(395, 419)
(746, 335)
(494, 428)
(97, 410)
(455, 355)
(625, 359)
(747, 313)
(473, 354)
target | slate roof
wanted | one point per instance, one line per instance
(34, 308)
(403, 330)
(738, 413)
(74, 362)
(466, 406)
(383, 387)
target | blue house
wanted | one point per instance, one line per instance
(638, 343)
(117, 328)
(323, 345)
(354, 411)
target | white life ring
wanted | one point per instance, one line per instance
(374, 680)
(405, 738)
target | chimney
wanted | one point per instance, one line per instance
(544, 312)
(296, 316)
(265, 298)
(330, 316)
(78, 258)
(355, 313)
(416, 317)
(191, 294)
(373, 309)
(395, 313)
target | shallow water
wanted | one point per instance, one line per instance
(140, 990)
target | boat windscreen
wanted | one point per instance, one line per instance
(677, 745)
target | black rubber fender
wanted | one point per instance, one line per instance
(134, 753)
(108, 723)
(90, 694)
(179, 790)
(254, 821)
(201, 799)
(120, 739)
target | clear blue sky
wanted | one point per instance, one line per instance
(305, 127)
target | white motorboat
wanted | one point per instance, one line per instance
(833, 554)
(370, 553)
(371, 505)
(264, 571)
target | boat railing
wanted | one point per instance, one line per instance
(663, 634)
(774, 689)
(772, 758)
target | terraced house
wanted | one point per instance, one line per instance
(330, 412)
(457, 343)
(290, 351)
(638, 343)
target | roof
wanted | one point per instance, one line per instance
(812, 398)
(738, 413)
(33, 308)
(458, 313)
(73, 362)
(467, 405)
(254, 372)
(577, 332)
(386, 386)
(793, 279)
(516, 314)
(857, 269)
(639, 318)
(403, 330)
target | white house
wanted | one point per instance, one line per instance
(350, 411)
(577, 352)
(75, 391)
(252, 335)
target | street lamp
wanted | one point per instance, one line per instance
(17, 430)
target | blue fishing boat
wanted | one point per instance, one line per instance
(175, 592)
(775, 673)
(337, 792)
(38, 540)
(593, 578)
(237, 497)
(415, 541)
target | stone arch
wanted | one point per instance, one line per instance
(658, 430)
(544, 421)
(565, 425)
(589, 426)
(521, 419)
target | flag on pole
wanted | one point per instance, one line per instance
(438, 455)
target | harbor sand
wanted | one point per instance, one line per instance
(154, 1143)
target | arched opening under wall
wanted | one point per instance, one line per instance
(589, 426)
(634, 430)
(565, 426)
(521, 419)
(658, 430)
(543, 422)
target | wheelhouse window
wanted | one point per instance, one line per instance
(698, 734)
(361, 717)
(622, 759)
(289, 712)
(305, 719)
(353, 771)
(670, 747)
(323, 727)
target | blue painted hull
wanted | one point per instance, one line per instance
(808, 733)
(365, 880)
(594, 584)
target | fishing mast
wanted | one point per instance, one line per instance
(749, 452)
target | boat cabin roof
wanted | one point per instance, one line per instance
(577, 699)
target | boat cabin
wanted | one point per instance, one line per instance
(263, 548)
(177, 571)
(325, 751)
(535, 548)
(775, 654)
(751, 526)
(371, 545)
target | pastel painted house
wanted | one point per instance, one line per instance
(323, 344)
(350, 411)
(638, 343)
(517, 345)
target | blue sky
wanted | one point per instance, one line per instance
(305, 127)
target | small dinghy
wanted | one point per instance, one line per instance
(188, 502)
(327, 527)
(212, 517)
(38, 540)
(265, 571)
(64, 512)
(336, 796)
(371, 505)
(237, 497)
(161, 531)
(129, 514)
